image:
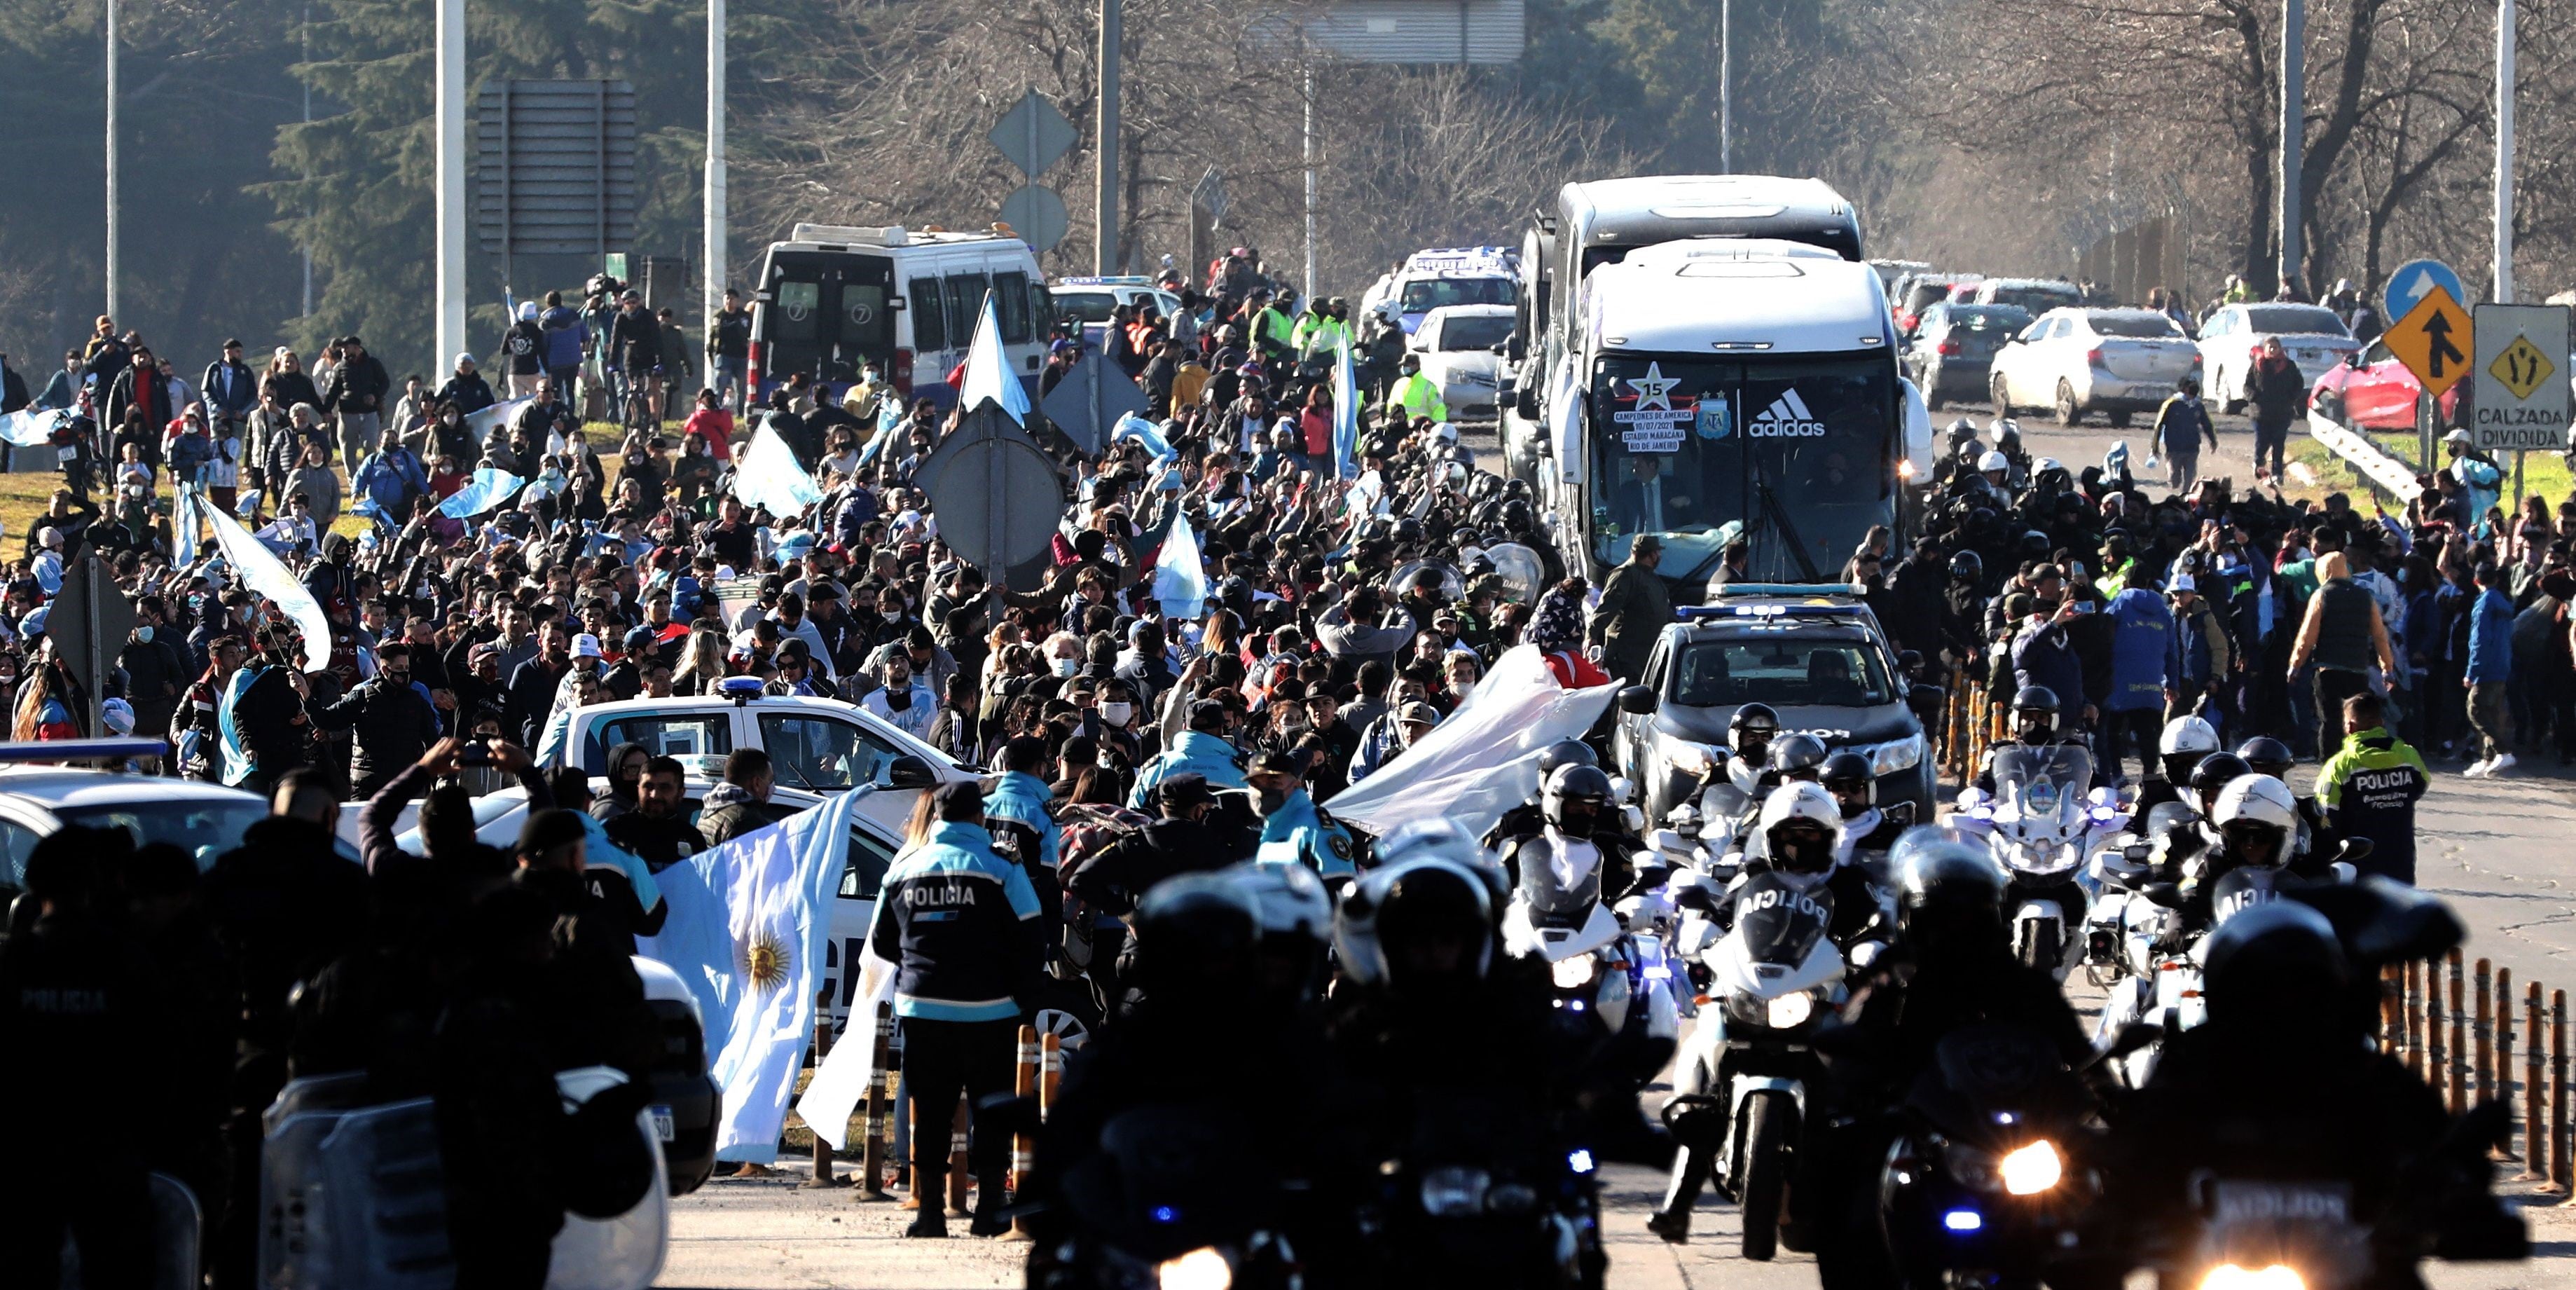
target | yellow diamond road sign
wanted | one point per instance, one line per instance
(2522, 367)
(2433, 340)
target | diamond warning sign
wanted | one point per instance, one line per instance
(2522, 367)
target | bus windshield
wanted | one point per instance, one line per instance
(1793, 454)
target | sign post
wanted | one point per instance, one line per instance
(2521, 381)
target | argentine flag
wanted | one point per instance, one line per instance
(747, 929)
(1179, 580)
(889, 416)
(31, 428)
(499, 414)
(1132, 426)
(766, 474)
(267, 577)
(988, 371)
(490, 488)
(1346, 414)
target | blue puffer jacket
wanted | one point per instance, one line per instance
(2043, 656)
(2142, 630)
(1021, 798)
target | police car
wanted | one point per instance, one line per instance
(39, 797)
(1437, 279)
(1815, 655)
(1092, 300)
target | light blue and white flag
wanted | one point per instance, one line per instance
(31, 427)
(748, 925)
(889, 416)
(1346, 414)
(490, 488)
(1180, 582)
(498, 414)
(183, 525)
(268, 578)
(988, 371)
(766, 474)
(1132, 426)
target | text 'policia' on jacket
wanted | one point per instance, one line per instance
(961, 924)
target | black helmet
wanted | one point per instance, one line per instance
(1408, 530)
(1750, 731)
(1576, 799)
(1798, 755)
(2272, 964)
(2215, 772)
(1194, 933)
(2034, 544)
(1967, 566)
(1850, 772)
(1565, 752)
(1401, 907)
(2035, 705)
(1516, 514)
(1962, 431)
(1949, 892)
(2267, 756)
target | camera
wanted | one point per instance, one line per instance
(475, 754)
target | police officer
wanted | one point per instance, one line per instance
(2035, 724)
(2184, 741)
(1529, 817)
(1749, 733)
(1293, 829)
(1868, 833)
(1201, 750)
(1582, 832)
(1024, 830)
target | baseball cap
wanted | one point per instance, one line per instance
(586, 646)
(548, 829)
(1273, 762)
(464, 360)
(2182, 582)
(1188, 788)
(1418, 713)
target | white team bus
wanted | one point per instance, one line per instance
(1601, 222)
(1723, 387)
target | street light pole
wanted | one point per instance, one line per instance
(451, 181)
(1726, 87)
(1104, 251)
(714, 254)
(2504, 72)
(1308, 282)
(115, 296)
(2294, 25)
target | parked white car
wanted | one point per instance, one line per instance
(2118, 362)
(1457, 343)
(2232, 338)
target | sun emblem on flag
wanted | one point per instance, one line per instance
(765, 961)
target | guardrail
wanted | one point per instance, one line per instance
(2366, 458)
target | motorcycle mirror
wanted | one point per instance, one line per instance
(2138, 852)
(2165, 894)
(1637, 700)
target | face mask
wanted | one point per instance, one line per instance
(1272, 799)
(1116, 714)
(143, 634)
(1067, 666)
(893, 615)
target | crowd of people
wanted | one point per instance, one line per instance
(1143, 748)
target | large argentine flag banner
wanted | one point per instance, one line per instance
(747, 929)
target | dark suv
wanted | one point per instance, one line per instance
(1816, 655)
(1954, 345)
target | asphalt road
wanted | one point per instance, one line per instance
(2498, 850)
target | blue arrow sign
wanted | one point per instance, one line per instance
(2413, 281)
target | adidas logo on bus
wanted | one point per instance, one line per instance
(1787, 418)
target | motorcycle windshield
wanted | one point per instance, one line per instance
(1778, 923)
(2040, 782)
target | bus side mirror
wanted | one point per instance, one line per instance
(1525, 402)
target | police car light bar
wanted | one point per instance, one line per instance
(1830, 590)
(70, 750)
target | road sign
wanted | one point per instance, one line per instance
(2433, 341)
(2521, 373)
(997, 496)
(2414, 280)
(1033, 135)
(1088, 402)
(1210, 196)
(1037, 215)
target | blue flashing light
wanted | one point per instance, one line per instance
(1963, 1220)
(1166, 1214)
(1579, 1160)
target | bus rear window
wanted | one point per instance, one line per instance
(794, 310)
(1011, 297)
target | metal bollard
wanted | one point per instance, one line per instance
(2392, 1017)
(2459, 1099)
(1050, 1073)
(872, 1152)
(958, 1162)
(2535, 1092)
(2411, 990)
(2558, 1165)
(2484, 1065)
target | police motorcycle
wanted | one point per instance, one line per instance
(2338, 1170)
(1478, 1192)
(2044, 821)
(1556, 912)
(1742, 1083)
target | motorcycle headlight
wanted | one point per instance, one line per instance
(1204, 1268)
(2033, 1169)
(1573, 972)
(1790, 1011)
(1447, 1192)
(1895, 755)
(2228, 1276)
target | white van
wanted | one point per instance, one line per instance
(830, 298)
